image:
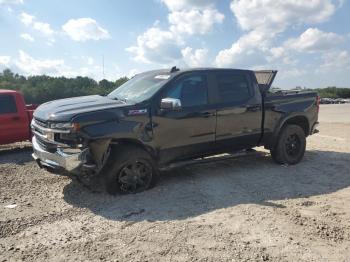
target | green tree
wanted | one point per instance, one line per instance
(40, 89)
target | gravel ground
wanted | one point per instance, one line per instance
(246, 209)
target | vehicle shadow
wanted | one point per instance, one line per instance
(196, 190)
(19, 156)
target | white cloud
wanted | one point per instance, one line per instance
(194, 21)
(277, 52)
(314, 40)
(32, 66)
(176, 5)
(186, 17)
(291, 73)
(27, 19)
(84, 29)
(27, 37)
(90, 61)
(311, 41)
(264, 20)
(280, 53)
(28, 65)
(276, 15)
(194, 58)
(11, 2)
(5, 60)
(244, 51)
(336, 59)
(43, 28)
(156, 46)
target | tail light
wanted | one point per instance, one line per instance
(318, 99)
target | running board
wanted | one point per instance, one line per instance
(203, 160)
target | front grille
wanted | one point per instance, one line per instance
(41, 123)
(52, 148)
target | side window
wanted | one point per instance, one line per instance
(232, 87)
(7, 104)
(192, 90)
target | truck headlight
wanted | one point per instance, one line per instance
(65, 126)
(61, 125)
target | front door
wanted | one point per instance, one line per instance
(190, 130)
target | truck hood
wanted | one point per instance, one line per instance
(65, 109)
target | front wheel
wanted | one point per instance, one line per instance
(129, 170)
(290, 147)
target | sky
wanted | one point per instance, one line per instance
(308, 42)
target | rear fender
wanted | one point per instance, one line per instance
(296, 118)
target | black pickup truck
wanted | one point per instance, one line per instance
(163, 117)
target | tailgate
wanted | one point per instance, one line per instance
(265, 79)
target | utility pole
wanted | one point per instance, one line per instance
(103, 66)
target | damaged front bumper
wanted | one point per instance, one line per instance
(70, 160)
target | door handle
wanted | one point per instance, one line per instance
(253, 108)
(16, 118)
(207, 114)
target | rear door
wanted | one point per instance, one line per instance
(239, 108)
(189, 131)
(13, 123)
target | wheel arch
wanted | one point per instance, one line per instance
(299, 120)
(135, 143)
(295, 119)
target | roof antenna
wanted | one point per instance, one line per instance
(174, 69)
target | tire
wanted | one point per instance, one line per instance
(290, 147)
(129, 170)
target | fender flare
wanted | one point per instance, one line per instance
(293, 118)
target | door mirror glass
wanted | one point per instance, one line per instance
(170, 104)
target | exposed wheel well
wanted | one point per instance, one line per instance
(136, 143)
(299, 121)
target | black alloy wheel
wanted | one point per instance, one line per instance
(290, 145)
(293, 145)
(135, 177)
(129, 170)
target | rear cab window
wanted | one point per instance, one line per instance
(7, 104)
(232, 87)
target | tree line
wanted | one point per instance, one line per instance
(333, 92)
(40, 89)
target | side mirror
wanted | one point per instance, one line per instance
(170, 104)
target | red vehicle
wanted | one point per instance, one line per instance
(15, 117)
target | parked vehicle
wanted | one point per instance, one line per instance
(326, 101)
(162, 118)
(339, 101)
(15, 117)
(333, 101)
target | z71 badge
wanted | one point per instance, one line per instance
(137, 112)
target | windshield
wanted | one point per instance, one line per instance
(139, 88)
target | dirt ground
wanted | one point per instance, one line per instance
(246, 209)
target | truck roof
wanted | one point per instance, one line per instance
(264, 78)
(175, 70)
(7, 91)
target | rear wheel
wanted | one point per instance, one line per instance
(290, 147)
(129, 170)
